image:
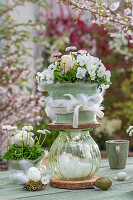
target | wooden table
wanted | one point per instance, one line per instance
(120, 190)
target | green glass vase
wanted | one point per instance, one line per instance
(74, 155)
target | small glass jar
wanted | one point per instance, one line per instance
(74, 155)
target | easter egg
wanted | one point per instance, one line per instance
(34, 174)
(103, 183)
(121, 176)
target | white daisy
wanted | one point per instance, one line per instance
(80, 72)
(28, 128)
(43, 131)
(7, 127)
(45, 180)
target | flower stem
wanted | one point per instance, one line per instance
(39, 139)
(8, 139)
(43, 140)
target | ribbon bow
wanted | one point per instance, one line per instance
(73, 105)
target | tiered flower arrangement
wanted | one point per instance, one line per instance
(75, 66)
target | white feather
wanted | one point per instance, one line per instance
(25, 164)
(21, 177)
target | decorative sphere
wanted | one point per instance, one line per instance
(121, 176)
(34, 174)
(103, 183)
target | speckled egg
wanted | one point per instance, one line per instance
(121, 176)
(103, 183)
(34, 174)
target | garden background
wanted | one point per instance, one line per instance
(29, 32)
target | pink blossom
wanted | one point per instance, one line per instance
(59, 59)
(66, 69)
(82, 51)
(55, 54)
(70, 48)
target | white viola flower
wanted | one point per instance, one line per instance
(43, 131)
(27, 128)
(129, 129)
(45, 73)
(97, 61)
(45, 180)
(80, 72)
(82, 59)
(50, 77)
(101, 71)
(90, 61)
(93, 77)
(40, 76)
(91, 70)
(131, 132)
(108, 75)
(7, 127)
(52, 66)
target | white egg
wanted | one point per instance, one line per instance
(121, 176)
(34, 174)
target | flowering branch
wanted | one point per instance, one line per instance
(116, 16)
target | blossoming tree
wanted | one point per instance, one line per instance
(116, 16)
(18, 99)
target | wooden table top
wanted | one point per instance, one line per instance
(120, 190)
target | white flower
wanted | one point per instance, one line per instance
(90, 61)
(22, 132)
(82, 59)
(13, 127)
(7, 127)
(114, 6)
(34, 174)
(80, 72)
(108, 75)
(45, 180)
(127, 11)
(43, 131)
(28, 128)
(67, 59)
(93, 77)
(101, 71)
(91, 70)
(131, 133)
(129, 129)
(52, 66)
(50, 77)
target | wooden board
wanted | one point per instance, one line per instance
(70, 126)
(83, 184)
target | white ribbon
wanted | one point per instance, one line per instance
(73, 105)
